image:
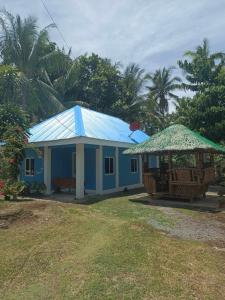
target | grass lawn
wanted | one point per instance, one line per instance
(105, 250)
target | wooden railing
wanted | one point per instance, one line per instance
(181, 182)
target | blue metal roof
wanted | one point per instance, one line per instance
(82, 122)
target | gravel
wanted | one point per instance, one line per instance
(189, 227)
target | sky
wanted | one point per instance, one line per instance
(152, 33)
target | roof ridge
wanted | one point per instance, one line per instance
(102, 113)
(78, 121)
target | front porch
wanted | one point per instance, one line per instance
(89, 169)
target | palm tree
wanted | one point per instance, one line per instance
(201, 68)
(163, 84)
(26, 48)
(132, 85)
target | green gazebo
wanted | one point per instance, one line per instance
(175, 144)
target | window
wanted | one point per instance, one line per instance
(133, 165)
(109, 165)
(29, 167)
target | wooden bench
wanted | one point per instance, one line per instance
(64, 183)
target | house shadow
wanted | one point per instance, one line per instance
(210, 204)
(90, 199)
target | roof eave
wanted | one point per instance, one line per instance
(175, 151)
(82, 140)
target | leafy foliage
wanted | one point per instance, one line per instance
(23, 46)
(162, 87)
(13, 133)
(131, 95)
(201, 68)
(204, 112)
(12, 116)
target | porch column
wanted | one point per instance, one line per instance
(80, 171)
(99, 171)
(141, 169)
(47, 169)
(117, 168)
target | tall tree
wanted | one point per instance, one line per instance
(205, 74)
(163, 85)
(132, 84)
(92, 80)
(200, 67)
(22, 45)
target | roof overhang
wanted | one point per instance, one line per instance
(174, 152)
(82, 140)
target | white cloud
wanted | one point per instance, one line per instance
(150, 32)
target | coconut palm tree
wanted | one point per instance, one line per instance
(26, 48)
(132, 81)
(162, 87)
(201, 68)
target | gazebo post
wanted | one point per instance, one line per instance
(170, 161)
(170, 171)
(201, 159)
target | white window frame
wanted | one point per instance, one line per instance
(73, 164)
(113, 173)
(29, 171)
(134, 172)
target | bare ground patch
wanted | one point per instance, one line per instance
(20, 215)
(21, 212)
(206, 228)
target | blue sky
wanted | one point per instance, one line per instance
(152, 33)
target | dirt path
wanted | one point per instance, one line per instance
(191, 227)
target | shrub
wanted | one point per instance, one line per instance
(34, 188)
(11, 189)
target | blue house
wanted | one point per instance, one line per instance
(82, 148)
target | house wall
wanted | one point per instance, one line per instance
(38, 166)
(61, 165)
(126, 177)
(90, 167)
(109, 180)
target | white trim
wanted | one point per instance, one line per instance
(82, 140)
(47, 169)
(99, 170)
(137, 164)
(113, 173)
(117, 167)
(79, 171)
(121, 188)
(29, 175)
(141, 169)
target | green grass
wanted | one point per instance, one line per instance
(105, 250)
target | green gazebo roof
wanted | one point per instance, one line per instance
(176, 138)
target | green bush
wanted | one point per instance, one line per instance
(12, 189)
(34, 188)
